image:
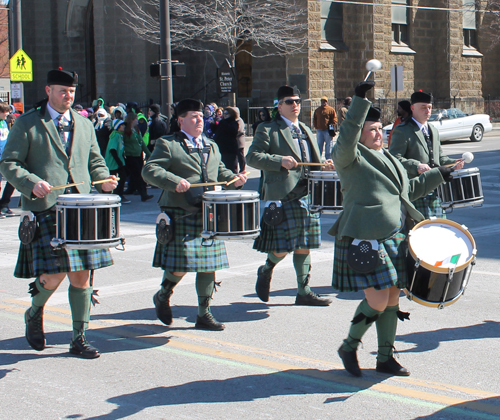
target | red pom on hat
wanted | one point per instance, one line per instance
(59, 68)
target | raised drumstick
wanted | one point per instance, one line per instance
(60, 187)
(236, 179)
(208, 184)
(102, 181)
(311, 164)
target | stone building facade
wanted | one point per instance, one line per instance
(88, 36)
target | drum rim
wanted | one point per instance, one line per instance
(72, 199)
(231, 192)
(430, 304)
(311, 175)
(440, 270)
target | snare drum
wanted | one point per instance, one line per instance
(231, 215)
(325, 192)
(463, 190)
(440, 260)
(87, 221)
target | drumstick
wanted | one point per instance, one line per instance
(208, 184)
(60, 187)
(236, 179)
(102, 181)
(452, 165)
(311, 164)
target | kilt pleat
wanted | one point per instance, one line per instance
(187, 251)
(300, 229)
(430, 206)
(391, 270)
(39, 257)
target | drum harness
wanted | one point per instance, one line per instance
(273, 211)
(164, 223)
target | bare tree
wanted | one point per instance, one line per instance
(275, 27)
(491, 22)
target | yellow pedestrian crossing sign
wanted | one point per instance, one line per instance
(21, 67)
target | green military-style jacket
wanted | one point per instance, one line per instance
(409, 146)
(272, 141)
(34, 152)
(374, 185)
(171, 161)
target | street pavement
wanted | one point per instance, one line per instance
(274, 360)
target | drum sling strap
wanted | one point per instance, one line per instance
(428, 140)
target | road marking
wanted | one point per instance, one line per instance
(247, 357)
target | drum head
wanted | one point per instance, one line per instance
(230, 196)
(441, 244)
(88, 199)
(322, 175)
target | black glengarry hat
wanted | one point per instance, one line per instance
(373, 114)
(420, 96)
(285, 91)
(187, 105)
(62, 77)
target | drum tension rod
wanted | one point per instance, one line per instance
(451, 271)
(410, 294)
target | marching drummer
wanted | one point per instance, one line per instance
(179, 160)
(417, 146)
(371, 232)
(52, 146)
(285, 150)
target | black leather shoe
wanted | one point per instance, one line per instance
(311, 299)
(163, 310)
(34, 330)
(392, 367)
(147, 197)
(208, 322)
(263, 284)
(350, 361)
(81, 347)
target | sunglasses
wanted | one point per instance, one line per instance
(292, 101)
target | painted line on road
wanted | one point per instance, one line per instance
(330, 379)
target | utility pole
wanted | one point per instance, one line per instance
(17, 29)
(17, 36)
(167, 96)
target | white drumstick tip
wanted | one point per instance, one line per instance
(468, 157)
(373, 65)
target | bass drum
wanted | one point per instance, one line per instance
(440, 260)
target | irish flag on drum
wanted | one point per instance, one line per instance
(453, 260)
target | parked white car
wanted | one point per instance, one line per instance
(454, 124)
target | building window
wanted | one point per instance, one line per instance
(469, 23)
(399, 18)
(331, 25)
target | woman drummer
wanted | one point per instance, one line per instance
(377, 197)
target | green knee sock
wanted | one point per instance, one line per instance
(386, 324)
(363, 319)
(271, 261)
(80, 301)
(40, 297)
(168, 283)
(205, 285)
(302, 264)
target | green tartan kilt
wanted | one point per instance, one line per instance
(300, 229)
(430, 206)
(39, 257)
(391, 270)
(187, 251)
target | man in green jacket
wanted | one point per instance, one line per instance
(179, 160)
(417, 146)
(50, 146)
(277, 149)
